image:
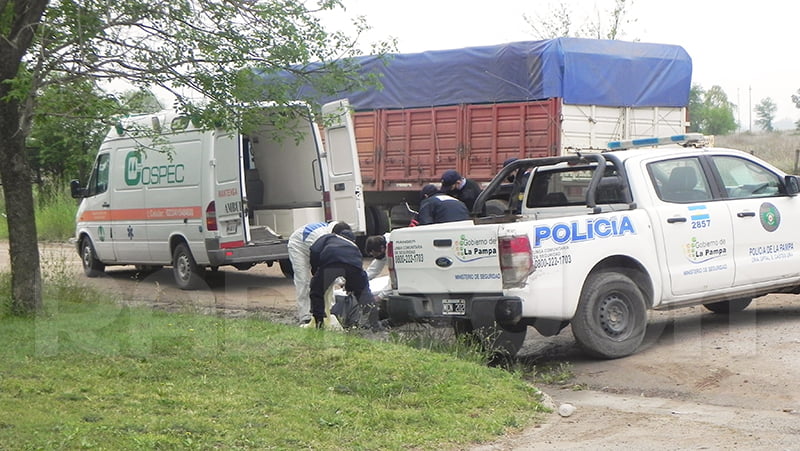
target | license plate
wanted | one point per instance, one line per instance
(232, 227)
(454, 307)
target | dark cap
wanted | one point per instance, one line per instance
(450, 177)
(509, 161)
(428, 191)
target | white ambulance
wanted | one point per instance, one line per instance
(197, 199)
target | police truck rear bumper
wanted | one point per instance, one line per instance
(505, 310)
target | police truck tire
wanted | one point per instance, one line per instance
(92, 267)
(732, 306)
(611, 317)
(188, 275)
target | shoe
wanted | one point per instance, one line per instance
(306, 323)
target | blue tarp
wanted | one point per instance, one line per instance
(580, 71)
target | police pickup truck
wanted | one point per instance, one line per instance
(595, 240)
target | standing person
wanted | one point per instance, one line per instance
(299, 247)
(461, 188)
(336, 255)
(438, 207)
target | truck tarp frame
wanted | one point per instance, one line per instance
(579, 71)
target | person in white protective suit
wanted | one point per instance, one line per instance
(299, 246)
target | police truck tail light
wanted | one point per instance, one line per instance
(326, 205)
(390, 263)
(211, 216)
(516, 260)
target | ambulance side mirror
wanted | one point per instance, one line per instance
(76, 190)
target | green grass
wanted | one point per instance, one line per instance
(92, 374)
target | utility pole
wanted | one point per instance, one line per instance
(750, 108)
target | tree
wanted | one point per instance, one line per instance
(765, 111)
(796, 100)
(65, 132)
(710, 112)
(558, 22)
(214, 57)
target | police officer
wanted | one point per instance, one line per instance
(461, 188)
(438, 207)
(336, 255)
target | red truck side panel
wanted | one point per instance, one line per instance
(401, 150)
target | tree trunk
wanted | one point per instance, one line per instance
(26, 276)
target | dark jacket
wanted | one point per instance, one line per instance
(467, 194)
(442, 208)
(331, 249)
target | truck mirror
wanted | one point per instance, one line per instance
(792, 183)
(76, 190)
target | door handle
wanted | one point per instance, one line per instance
(106, 205)
(745, 214)
(674, 220)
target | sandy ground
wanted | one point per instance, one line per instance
(700, 381)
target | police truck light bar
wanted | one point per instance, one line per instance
(647, 142)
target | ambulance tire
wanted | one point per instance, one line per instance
(611, 317)
(92, 267)
(732, 306)
(188, 275)
(286, 268)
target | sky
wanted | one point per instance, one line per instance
(747, 48)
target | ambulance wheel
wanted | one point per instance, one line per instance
(188, 275)
(286, 268)
(732, 306)
(611, 317)
(92, 267)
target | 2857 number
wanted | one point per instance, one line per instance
(701, 224)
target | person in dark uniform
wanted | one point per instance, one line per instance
(461, 188)
(438, 207)
(337, 255)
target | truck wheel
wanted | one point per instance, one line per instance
(286, 268)
(732, 306)
(496, 207)
(188, 275)
(492, 337)
(380, 221)
(92, 267)
(611, 318)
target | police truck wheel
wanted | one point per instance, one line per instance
(92, 267)
(732, 306)
(188, 275)
(611, 318)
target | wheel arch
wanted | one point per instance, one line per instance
(630, 267)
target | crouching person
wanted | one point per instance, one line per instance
(333, 256)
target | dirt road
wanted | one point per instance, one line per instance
(700, 381)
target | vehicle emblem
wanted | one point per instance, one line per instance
(443, 262)
(770, 217)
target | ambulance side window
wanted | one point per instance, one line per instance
(98, 183)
